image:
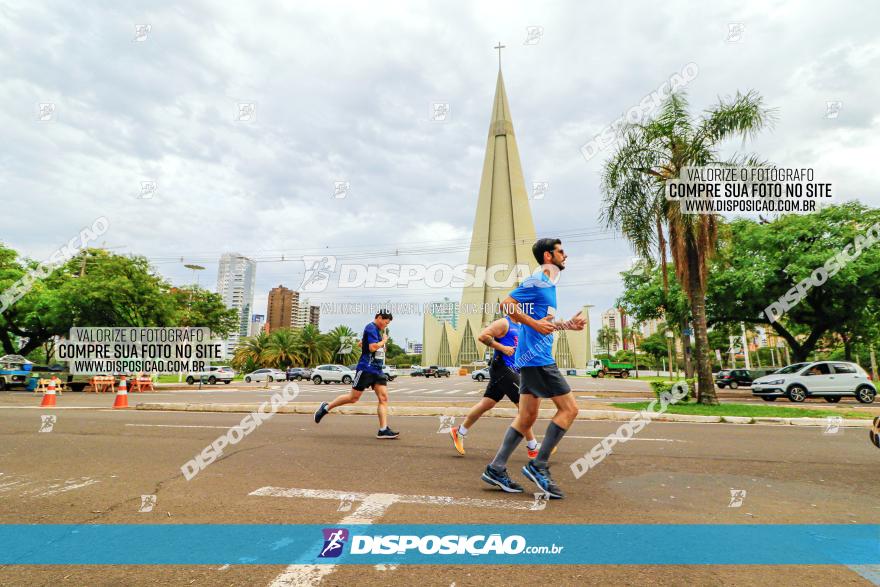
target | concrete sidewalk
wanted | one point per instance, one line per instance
(396, 410)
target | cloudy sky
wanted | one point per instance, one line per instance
(344, 92)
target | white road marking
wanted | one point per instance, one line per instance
(432, 391)
(453, 391)
(474, 392)
(373, 507)
(417, 499)
(176, 426)
(632, 438)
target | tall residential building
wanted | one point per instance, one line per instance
(305, 313)
(282, 308)
(258, 322)
(615, 319)
(413, 347)
(315, 316)
(236, 276)
(445, 311)
(652, 326)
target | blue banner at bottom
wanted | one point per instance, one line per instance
(420, 544)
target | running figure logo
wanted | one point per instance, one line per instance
(334, 540)
(317, 272)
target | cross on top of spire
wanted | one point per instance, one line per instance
(499, 47)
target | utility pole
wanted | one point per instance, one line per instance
(873, 364)
(670, 341)
(745, 345)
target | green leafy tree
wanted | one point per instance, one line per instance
(634, 184)
(758, 263)
(96, 288)
(199, 307)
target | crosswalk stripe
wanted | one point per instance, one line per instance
(473, 392)
(453, 391)
(432, 391)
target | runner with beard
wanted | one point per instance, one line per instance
(533, 306)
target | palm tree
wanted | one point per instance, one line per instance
(634, 185)
(607, 337)
(629, 334)
(249, 352)
(283, 349)
(312, 346)
(341, 338)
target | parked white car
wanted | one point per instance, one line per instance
(212, 375)
(332, 374)
(480, 374)
(830, 380)
(390, 372)
(266, 374)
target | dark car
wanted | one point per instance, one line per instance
(435, 371)
(733, 378)
(298, 373)
(417, 372)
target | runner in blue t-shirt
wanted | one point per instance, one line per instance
(533, 306)
(369, 374)
(501, 335)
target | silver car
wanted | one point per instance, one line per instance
(830, 380)
(266, 375)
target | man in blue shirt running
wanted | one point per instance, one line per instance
(533, 306)
(369, 374)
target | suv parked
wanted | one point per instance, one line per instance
(417, 371)
(298, 373)
(332, 373)
(830, 380)
(212, 375)
(390, 372)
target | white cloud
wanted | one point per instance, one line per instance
(343, 92)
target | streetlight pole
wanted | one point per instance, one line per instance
(195, 269)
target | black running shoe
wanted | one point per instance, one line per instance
(541, 477)
(387, 434)
(502, 480)
(321, 412)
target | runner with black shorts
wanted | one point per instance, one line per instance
(369, 374)
(533, 306)
(501, 335)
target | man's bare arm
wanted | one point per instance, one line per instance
(496, 329)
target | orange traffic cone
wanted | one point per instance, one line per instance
(121, 394)
(49, 395)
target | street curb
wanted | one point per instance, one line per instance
(619, 416)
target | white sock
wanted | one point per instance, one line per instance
(462, 430)
(383, 428)
(532, 444)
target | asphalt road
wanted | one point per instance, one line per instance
(96, 463)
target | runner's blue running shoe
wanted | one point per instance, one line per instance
(541, 477)
(502, 480)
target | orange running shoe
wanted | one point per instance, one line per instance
(533, 454)
(457, 440)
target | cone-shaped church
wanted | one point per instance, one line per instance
(503, 235)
